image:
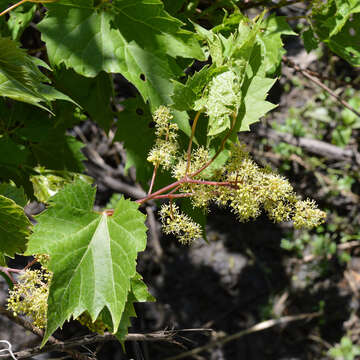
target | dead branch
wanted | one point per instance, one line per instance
(68, 346)
(65, 346)
(52, 340)
(306, 73)
(317, 147)
(258, 327)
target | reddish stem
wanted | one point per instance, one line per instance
(153, 179)
(188, 178)
(31, 263)
(8, 272)
(174, 196)
(159, 192)
(13, 7)
(109, 212)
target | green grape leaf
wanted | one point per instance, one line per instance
(135, 130)
(138, 293)
(337, 23)
(309, 39)
(125, 322)
(14, 193)
(140, 290)
(47, 183)
(93, 94)
(331, 16)
(240, 86)
(173, 6)
(274, 27)
(3, 263)
(346, 43)
(223, 99)
(11, 165)
(14, 228)
(185, 95)
(92, 255)
(254, 104)
(16, 154)
(21, 80)
(40, 141)
(136, 38)
(59, 152)
(19, 19)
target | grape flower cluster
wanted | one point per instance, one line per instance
(166, 146)
(29, 296)
(242, 185)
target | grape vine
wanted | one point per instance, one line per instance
(199, 83)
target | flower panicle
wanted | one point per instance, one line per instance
(178, 224)
(165, 148)
(29, 296)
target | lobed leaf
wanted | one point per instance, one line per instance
(92, 256)
(136, 38)
(337, 23)
(14, 228)
(21, 80)
(14, 193)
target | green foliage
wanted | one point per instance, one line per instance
(337, 24)
(14, 227)
(14, 193)
(346, 350)
(193, 153)
(92, 256)
(236, 83)
(20, 79)
(135, 38)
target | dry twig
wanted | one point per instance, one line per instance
(258, 327)
(53, 341)
(306, 73)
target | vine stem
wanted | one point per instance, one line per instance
(316, 81)
(193, 128)
(7, 271)
(13, 7)
(30, 264)
(174, 196)
(153, 179)
(188, 178)
(52, 340)
(185, 180)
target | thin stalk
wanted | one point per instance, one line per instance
(159, 192)
(176, 185)
(193, 128)
(30, 264)
(171, 210)
(174, 196)
(175, 189)
(153, 179)
(211, 183)
(13, 7)
(187, 179)
(8, 272)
